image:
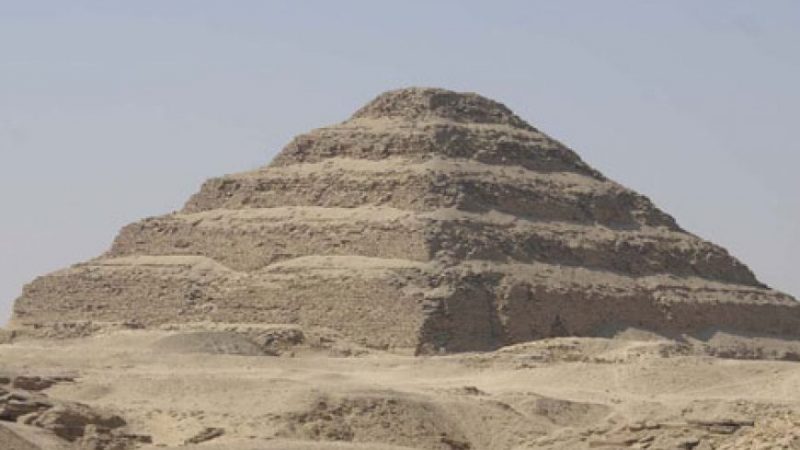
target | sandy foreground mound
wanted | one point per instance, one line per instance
(280, 387)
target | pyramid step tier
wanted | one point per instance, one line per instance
(152, 290)
(399, 303)
(379, 139)
(250, 239)
(432, 185)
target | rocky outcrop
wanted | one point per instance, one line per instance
(22, 404)
(430, 220)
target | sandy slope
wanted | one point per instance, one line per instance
(558, 393)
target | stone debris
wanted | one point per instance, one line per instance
(205, 435)
(86, 427)
(37, 383)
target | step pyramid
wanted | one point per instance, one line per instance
(431, 220)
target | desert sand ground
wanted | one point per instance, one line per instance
(222, 390)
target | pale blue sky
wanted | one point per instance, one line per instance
(111, 111)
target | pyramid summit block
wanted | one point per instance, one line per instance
(428, 103)
(431, 220)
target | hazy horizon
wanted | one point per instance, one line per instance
(113, 113)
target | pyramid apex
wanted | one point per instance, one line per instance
(420, 103)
